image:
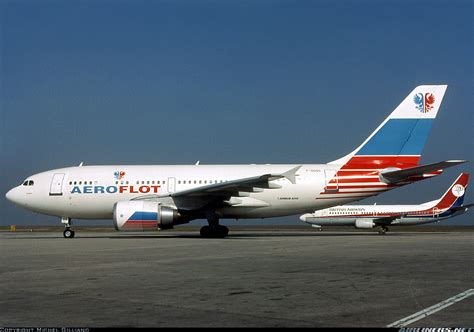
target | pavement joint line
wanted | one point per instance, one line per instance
(431, 310)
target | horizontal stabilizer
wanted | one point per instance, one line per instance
(405, 174)
(462, 207)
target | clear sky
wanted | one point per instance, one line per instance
(173, 82)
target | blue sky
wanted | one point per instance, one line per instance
(173, 82)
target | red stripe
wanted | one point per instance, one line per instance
(355, 192)
(381, 162)
(341, 197)
(368, 186)
(148, 224)
(356, 180)
(349, 172)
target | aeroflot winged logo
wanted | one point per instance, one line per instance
(424, 103)
(119, 175)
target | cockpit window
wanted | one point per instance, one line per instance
(31, 183)
(25, 183)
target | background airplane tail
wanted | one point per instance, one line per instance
(401, 137)
(454, 196)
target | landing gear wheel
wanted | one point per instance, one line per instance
(205, 231)
(68, 233)
(216, 232)
(383, 230)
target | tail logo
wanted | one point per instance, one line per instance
(424, 103)
(458, 190)
(119, 175)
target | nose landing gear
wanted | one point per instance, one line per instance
(68, 232)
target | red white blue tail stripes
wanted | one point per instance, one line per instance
(396, 144)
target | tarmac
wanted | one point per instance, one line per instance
(255, 277)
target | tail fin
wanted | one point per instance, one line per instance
(400, 139)
(454, 196)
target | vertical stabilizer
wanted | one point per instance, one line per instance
(454, 196)
(401, 137)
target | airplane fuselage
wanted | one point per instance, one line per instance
(402, 215)
(90, 192)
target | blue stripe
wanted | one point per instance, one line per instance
(458, 202)
(399, 137)
(140, 215)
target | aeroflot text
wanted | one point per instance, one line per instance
(115, 189)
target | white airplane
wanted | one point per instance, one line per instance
(159, 197)
(370, 216)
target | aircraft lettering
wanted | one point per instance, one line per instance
(114, 189)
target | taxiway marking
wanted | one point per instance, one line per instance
(431, 310)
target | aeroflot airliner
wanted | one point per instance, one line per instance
(159, 197)
(370, 216)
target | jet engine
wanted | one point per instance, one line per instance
(145, 216)
(364, 223)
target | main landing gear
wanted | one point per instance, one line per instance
(68, 232)
(214, 230)
(383, 230)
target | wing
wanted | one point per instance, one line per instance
(219, 193)
(230, 187)
(407, 173)
(387, 220)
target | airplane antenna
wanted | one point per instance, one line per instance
(197, 163)
(82, 163)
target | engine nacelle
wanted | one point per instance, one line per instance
(145, 216)
(364, 223)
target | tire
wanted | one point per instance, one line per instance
(205, 231)
(216, 232)
(68, 233)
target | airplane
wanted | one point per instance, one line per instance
(370, 216)
(143, 198)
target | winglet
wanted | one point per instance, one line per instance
(291, 174)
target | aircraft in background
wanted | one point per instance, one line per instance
(382, 216)
(159, 197)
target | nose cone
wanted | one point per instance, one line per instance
(12, 195)
(9, 195)
(303, 217)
